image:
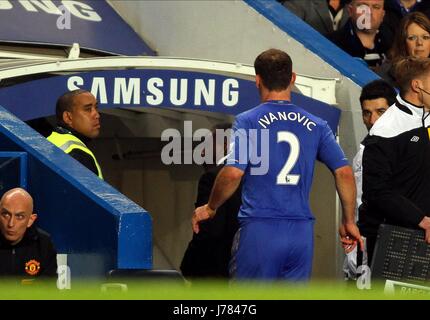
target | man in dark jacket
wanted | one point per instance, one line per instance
(364, 35)
(395, 10)
(78, 121)
(24, 249)
(322, 15)
(209, 252)
(396, 159)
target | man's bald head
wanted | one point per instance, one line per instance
(16, 214)
(20, 195)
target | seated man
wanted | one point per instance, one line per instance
(324, 16)
(395, 10)
(364, 35)
(24, 249)
(78, 121)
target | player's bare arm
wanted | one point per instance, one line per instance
(226, 183)
(345, 185)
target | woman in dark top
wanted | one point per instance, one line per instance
(412, 39)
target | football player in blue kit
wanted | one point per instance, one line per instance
(273, 149)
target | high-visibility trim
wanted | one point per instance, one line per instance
(68, 142)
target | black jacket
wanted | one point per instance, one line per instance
(396, 170)
(208, 253)
(316, 13)
(346, 39)
(33, 256)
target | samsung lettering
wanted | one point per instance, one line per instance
(78, 9)
(156, 91)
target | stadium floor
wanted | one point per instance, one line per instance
(209, 290)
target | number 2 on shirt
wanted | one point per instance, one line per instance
(284, 177)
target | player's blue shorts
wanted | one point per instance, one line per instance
(273, 249)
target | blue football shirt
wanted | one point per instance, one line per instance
(276, 145)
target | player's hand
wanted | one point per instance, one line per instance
(347, 243)
(427, 236)
(425, 224)
(349, 247)
(349, 236)
(200, 214)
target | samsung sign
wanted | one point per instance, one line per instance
(191, 89)
(78, 9)
(134, 88)
(149, 88)
(91, 23)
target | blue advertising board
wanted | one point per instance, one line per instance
(93, 24)
(149, 88)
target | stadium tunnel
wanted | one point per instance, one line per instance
(240, 30)
(141, 97)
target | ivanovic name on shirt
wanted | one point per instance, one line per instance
(271, 117)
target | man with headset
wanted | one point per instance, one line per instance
(396, 158)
